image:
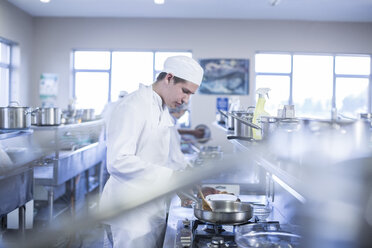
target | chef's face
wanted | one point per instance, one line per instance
(179, 93)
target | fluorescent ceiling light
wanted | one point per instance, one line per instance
(159, 1)
(45, 1)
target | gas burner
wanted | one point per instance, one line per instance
(198, 234)
(213, 229)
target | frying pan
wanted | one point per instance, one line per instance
(224, 212)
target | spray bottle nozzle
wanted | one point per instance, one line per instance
(262, 92)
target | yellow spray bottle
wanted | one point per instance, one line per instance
(260, 111)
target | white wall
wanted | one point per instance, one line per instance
(55, 37)
(17, 26)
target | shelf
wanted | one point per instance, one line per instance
(59, 207)
(69, 126)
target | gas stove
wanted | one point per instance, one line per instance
(198, 234)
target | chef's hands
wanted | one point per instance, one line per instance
(208, 191)
(199, 133)
(185, 201)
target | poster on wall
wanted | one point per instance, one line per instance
(225, 76)
(48, 90)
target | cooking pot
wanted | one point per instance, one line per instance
(240, 128)
(269, 125)
(88, 115)
(231, 118)
(15, 117)
(243, 126)
(48, 116)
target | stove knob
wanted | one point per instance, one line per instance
(218, 241)
(186, 223)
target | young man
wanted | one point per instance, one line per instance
(138, 143)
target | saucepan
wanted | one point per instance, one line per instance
(243, 127)
(224, 212)
(15, 117)
(47, 116)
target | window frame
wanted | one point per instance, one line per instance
(109, 71)
(10, 66)
(335, 76)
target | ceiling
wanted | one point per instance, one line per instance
(309, 10)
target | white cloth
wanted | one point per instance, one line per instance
(177, 159)
(137, 150)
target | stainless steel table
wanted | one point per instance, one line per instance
(73, 150)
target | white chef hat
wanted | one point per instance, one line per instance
(184, 67)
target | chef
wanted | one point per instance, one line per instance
(138, 143)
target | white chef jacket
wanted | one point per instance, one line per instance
(177, 159)
(138, 143)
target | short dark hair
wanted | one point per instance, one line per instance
(176, 79)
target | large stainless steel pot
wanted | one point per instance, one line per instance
(88, 115)
(48, 116)
(224, 212)
(241, 129)
(269, 125)
(15, 117)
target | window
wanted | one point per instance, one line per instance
(92, 79)
(129, 70)
(5, 71)
(352, 81)
(315, 83)
(312, 85)
(99, 76)
(274, 71)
